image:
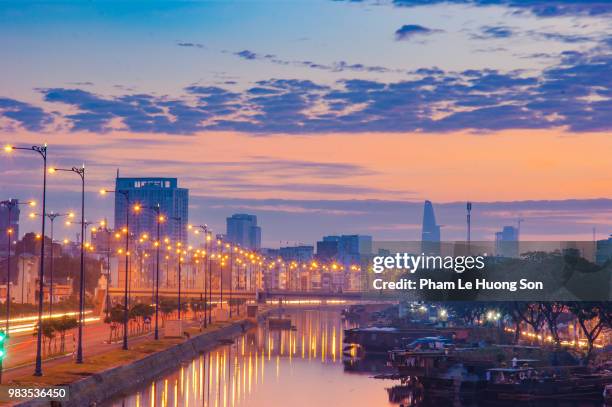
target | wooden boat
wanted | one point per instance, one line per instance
(524, 384)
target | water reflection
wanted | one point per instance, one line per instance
(303, 367)
(264, 367)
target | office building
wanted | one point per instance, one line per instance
(7, 224)
(345, 249)
(300, 254)
(148, 193)
(242, 230)
(430, 233)
(507, 242)
(603, 251)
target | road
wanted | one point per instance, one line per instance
(21, 350)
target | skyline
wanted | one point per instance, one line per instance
(338, 118)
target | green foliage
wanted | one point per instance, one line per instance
(141, 311)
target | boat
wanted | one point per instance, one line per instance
(279, 323)
(382, 339)
(526, 384)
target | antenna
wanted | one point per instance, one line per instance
(469, 222)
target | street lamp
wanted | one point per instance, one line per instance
(80, 171)
(126, 195)
(207, 238)
(51, 216)
(10, 204)
(179, 219)
(42, 150)
(159, 219)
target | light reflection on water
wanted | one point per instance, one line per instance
(301, 367)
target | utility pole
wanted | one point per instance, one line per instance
(469, 223)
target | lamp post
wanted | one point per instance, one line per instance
(180, 259)
(179, 219)
(51, 216)
(42, 151)
(159, 220)
(80, 171)
(10, 204)
(207, 238)
(126, 195)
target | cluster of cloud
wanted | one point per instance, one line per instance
(339, 66)
(540, 8)
(504, 32)
(576, 94)
(409, 31)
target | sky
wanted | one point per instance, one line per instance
(321, 117)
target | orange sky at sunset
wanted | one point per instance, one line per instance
(508, 165)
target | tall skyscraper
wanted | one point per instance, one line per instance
(242, 229)
(149, 192)
(507, 242)
(6, 224)
(430, 233)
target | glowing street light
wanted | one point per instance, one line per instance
(42, 151)
(126, 195)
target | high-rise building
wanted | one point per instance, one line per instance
(7, 224)
(603, 251)
(148, 193)
(346, 249)
(302, 253)
(327, 249)
(430, 233)
(242, 230)
(507, 242)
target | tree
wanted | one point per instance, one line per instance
(551, 311)
(592, 318)
(115, 319)
(48, 332)
(533, 316)
(469, 312)
(140, 313)
(515, 310)
(63, 325)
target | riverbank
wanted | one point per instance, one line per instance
(117, 372)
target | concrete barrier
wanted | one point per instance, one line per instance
(121, 380)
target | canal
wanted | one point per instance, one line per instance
(302, 367)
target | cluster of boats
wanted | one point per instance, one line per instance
(439, 366)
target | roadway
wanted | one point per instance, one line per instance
(21, 349)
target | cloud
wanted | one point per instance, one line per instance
(575, 94)
(540, 8)
(190, 45)
(491, 32)
(30, 117)
(409, 31)
(337, 66)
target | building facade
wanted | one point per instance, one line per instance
(8, 224)
(242, 230)
(148, 193)
(507, 242)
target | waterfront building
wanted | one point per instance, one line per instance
(149, 192)
(242, 230)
